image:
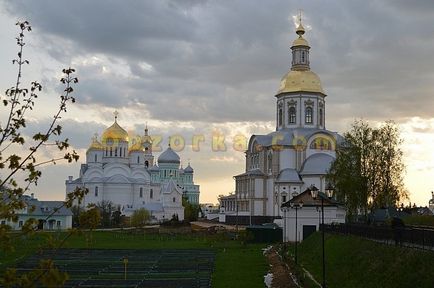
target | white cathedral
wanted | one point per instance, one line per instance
(298, 154)
(127, 176)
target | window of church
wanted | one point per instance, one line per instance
(320, 117)
(270, 159)
(138, 160)
(151, 194)
(292, 115)
(116, 151)
(96, 158)
(111, 151)
(280, 116)
(96, 191)
(141, 192)
(124, 152)
(302, 57)
(308, 115)
(174, 199)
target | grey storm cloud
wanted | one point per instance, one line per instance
(217, 61)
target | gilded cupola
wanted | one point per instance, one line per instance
(300, 78)
(114, 133)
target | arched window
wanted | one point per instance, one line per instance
(320, 117)
(151, 194)
(270, 162)
(308, 115)
(302, 57)
(174, 199)
(106, 151)
(280, 116)
(96, 158)
(116, 151)
(146, 164)
(292, 115)
(124, 151)
(138, 159)
(111, 151)
(141, 192)
(120, 152)
(96, 191)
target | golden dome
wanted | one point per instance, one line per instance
(300, 81)
(300, 41)
(136, 147)
(95, 145)
(115, 133)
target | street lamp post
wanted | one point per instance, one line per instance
(329, 192)
(296, 207)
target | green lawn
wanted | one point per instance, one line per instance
(236, 265)
(356, 262)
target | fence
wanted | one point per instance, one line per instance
(414, 237)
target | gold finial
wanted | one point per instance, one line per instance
(300, 29)
(146, 128)
(116, 113)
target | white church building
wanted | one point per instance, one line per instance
(125, 174)
(285, 162)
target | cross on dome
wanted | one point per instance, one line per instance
(116, 113)
(300, 29)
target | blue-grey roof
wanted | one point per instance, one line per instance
(154, 168)
(253, 172)
(288, 175)
(317, 164)
(188, 169)
(169, 156)
(41, 208)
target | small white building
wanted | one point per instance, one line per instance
(308, 217)
(50, 215)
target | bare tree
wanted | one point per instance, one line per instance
(20, 163)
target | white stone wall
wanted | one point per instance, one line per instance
(309, 216)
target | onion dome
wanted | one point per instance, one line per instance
(136, 147)
(188, 169)
(115, 132)
(169, 156)
(297, 81)
(95, 145)
(300, 78)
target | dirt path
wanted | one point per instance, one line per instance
(280, 271)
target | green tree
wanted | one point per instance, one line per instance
(20, 158)
(106, 208)
(90, 219)
(140, 217)
(191, 211)
(368, 170)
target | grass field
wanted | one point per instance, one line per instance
(356, 262)
(235, 265)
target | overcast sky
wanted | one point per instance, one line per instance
(205, 67)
